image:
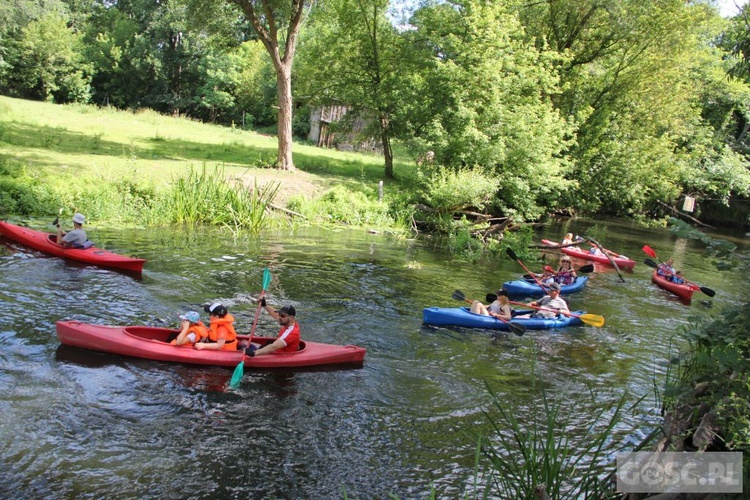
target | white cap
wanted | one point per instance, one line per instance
(79, 219)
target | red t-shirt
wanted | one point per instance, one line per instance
(290, 336)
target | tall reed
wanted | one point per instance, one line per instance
(208, 198)
(553, 446)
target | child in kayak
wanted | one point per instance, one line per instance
(192, 330)
(221, 334)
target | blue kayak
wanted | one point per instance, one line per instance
(461, 316)
(530, 288)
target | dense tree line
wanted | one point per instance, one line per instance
(608, 106)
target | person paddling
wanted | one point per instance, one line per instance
(666, 268)
(287, 340)
(566, 275)
(75, 238)
(552, 302)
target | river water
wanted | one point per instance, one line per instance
(76, 423)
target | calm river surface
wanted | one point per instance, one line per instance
(77, 423)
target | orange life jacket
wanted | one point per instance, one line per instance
(200, 331)
(224, 327)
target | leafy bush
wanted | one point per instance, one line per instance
(538, 451)
(446, 190)
(21, 193)
(344, 206)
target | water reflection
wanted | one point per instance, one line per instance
(81, 423)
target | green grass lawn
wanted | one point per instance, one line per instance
(112, 144)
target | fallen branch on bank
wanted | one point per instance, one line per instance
(290, 212)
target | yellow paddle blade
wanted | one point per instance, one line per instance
(592, 319)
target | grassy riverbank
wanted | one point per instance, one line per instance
(110, 163)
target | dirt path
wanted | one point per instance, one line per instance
(291, 183)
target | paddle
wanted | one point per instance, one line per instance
(239, 371)
(514, 327)
(589, 319)
(708, 291)
(513, 256)
(588, 268)
(608, 254)
(649, 251)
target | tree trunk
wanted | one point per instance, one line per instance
(387, 150)
(284, 87)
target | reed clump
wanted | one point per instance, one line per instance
(210, 198)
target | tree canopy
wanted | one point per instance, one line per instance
(578, 106)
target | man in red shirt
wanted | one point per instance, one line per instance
(288, 338)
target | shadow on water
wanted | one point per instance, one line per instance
(81, 423)
(17, 248)
(210, 378)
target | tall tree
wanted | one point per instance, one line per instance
(635, 79)
(48, 63)
(277, 24)
(484, 99)
(353, 55)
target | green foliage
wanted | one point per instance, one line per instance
(447, 190)
(353, 54)
(537, 451)
(342, 205)
(712, 376)
(207, 198)
(256, 87)
(48, 63)
(22, 193)
(483, 99)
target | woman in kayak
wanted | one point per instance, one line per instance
(565, 275)
(288, 338)
(192, 330)
(500, 308)
(221, 334)
(75, 238)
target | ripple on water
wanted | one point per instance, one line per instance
(79, 423)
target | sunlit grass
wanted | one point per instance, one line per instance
(87, 139)
(115, 164)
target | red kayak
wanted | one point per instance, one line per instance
(46, 242)
(150, 343)
(682, 290)
(622, 262)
